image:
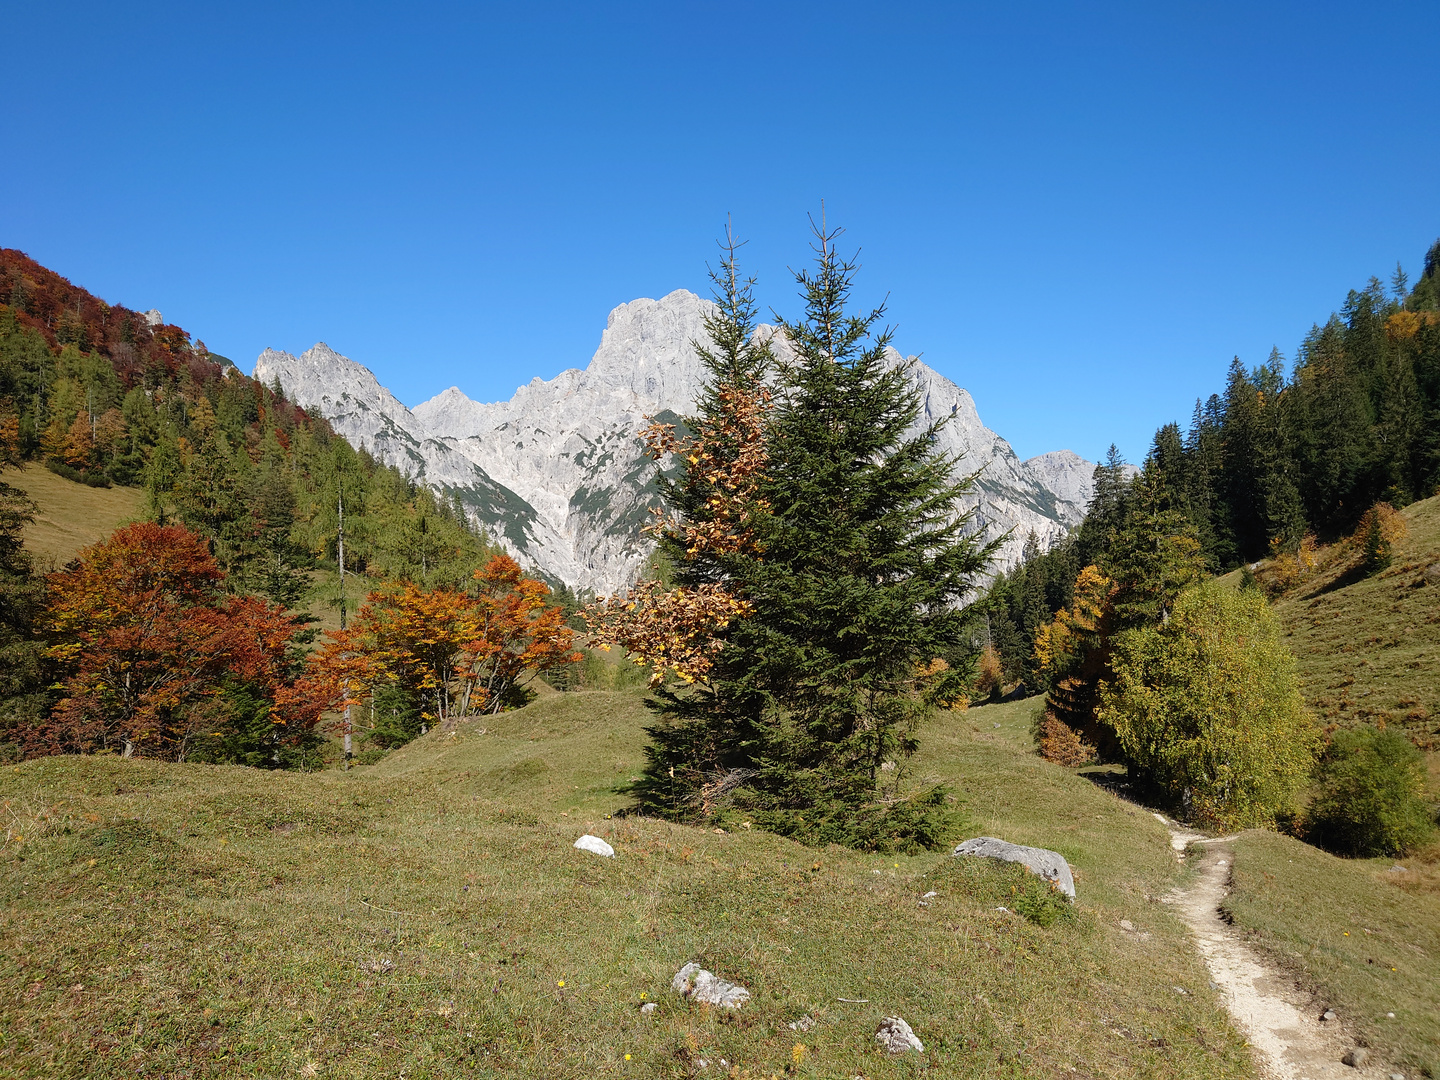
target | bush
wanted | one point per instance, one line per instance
(1377, 534)
(1207, 708)
(1371, 798)
(1061, 743)
(990, 677)
(79, 476)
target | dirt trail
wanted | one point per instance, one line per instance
(1282, 1022)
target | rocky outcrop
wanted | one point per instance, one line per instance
(558, 473)
(1050, 865)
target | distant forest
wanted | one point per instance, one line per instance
(1284, 452)
(100, 395)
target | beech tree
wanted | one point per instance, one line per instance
(448, 652)
(157, 660)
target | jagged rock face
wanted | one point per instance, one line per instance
(558, 472)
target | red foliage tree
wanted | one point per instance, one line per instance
(149, 643)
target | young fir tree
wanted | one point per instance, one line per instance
(863, 555)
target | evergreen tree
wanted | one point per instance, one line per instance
(863, 555)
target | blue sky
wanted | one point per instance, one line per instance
(1079, 212)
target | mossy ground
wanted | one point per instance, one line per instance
(428, 916)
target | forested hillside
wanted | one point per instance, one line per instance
(1285, 452)
(99, 393)
(185, 635)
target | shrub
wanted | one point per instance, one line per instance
(1377, 534)
(1371, 798)
(1061, 743)
(1207, 707)
(990, 676)
(79, 476)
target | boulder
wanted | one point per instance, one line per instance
(1050, 865)
(696, 983)
(896, 1037)
(1355, 1058)
(596, 845)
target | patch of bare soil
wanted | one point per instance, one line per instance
(1282, 1022)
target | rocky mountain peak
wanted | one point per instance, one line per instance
(558, 472)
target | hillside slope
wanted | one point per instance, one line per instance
(70, 516)
(428, 916)
(1368, 649)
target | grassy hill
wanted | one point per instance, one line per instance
(427, 916)
(70, 515)
(1365, 932)
(1368, 649)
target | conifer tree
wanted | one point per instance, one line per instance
(863, 554)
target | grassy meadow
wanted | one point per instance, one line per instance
(1359, 931)
(1368, 649)
(427, 916)
(70, 516)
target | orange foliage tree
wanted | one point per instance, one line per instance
(152, 650)
(455, 653)
(677, 631)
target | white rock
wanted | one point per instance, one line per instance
(930, 895)
(695, 982)
(1050, 865)
(558, 475)
(805, 1023)
(648, 1008)
(595, 844)
(896, 1037)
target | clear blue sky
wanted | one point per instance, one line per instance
(1080, 212)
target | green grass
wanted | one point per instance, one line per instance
(1362, 935)
(419, 916)
(70, 515)
(1367, 648)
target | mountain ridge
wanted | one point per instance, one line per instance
(558, 472)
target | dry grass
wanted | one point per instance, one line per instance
(427, 916)
(1368, 649)
(70, 516)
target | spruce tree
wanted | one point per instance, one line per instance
(863, 555)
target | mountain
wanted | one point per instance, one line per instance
(558, 473)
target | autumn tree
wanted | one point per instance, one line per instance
(158, 661)
(444, 654)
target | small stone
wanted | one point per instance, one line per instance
(1328, 1015)
(596, 845)
(695, 982)
(896, 1037)
(1432, 573)
(648, 1008)
(1127, 926)
(1397, 1076)
(805, 1023)
(1397, 869)
(1180, 990)
(930, 895)
(1356, 1057)
(1389, 1016)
